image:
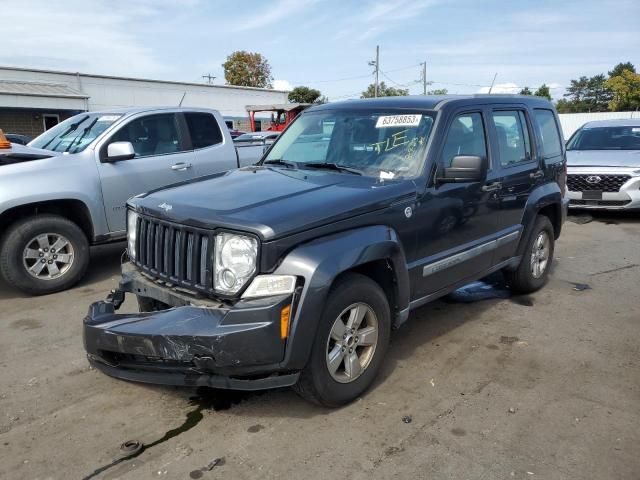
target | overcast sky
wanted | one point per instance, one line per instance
(326, 44)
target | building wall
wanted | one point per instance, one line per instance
(573, 121)
(27, 122)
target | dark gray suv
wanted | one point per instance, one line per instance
(294, 271)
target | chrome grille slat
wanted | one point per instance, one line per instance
(178, 254)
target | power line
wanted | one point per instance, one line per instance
(299, 82)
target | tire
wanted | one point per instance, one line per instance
(525, 278)
(31, 233)
(351, 293)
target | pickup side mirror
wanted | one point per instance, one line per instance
(117, 151)
(464, 168)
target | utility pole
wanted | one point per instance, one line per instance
(376, 63)
(424, 78)
(209, 78)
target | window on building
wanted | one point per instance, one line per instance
(204, 129)
(513, 137)
(465, 137)
(551, 143)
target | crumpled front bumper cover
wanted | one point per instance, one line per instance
(237, 347)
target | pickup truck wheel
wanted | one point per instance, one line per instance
(350, 345)
(44, 254)
(533, 271)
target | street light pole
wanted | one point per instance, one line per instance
(376, 63)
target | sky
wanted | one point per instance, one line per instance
(327, 44)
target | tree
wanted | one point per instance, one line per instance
(305, 95)
(543, 91)
(564, 106)
(384, 91)
(621, 67)
(598, 94)
(247, 69)
(625, 90)
(526, 91)
(438, 91)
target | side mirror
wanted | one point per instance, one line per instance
(465, 168)
(117, 151)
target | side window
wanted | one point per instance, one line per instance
(513, 136)
(546, 123)
(203, 128)
(465, 137)
(151, 135)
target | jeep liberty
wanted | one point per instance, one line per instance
(294, 271)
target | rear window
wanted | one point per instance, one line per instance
(203, 129)
(548, 129)
(606, 138)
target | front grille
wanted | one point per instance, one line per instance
(178, 254)
(603, 203)
(607, 183)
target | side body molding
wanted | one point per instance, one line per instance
(320, 262)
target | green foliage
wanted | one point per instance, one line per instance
(438, 91)
(543, 91)
(247, 69)
(304, 95)
(621, 67)
(625, 90)
(384, 91)
(526, 91)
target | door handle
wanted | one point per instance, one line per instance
(492, 187)
(538, 174)
(180, 166)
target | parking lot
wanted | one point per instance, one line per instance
(546, 386)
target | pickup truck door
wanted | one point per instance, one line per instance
(213, 149)
(456, 222)
(518, 163)
(162, 158)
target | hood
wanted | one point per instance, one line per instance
(272, 202)
(603, 158)
(21, 153)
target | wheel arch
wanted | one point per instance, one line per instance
(545, 200)
(374, 251)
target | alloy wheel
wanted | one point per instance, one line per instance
(48, 256)
(540, 254)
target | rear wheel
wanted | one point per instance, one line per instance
(533, 271)
(44, 254)
(350, 344)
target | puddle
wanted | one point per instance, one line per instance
(221, 399)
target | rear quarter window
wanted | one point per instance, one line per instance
(203, 129)
(549, 133)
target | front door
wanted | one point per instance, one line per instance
(456, 221)
(161, 159)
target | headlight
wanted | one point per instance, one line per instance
(235, 261)
(268, 285)
(132, 222)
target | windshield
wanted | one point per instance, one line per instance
(376, 143)
(606, 138)
(76, 133)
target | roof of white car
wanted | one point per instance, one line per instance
(618, 122)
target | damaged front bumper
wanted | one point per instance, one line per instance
(193, 344)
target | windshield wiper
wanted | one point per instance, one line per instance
(333, 166)
(80, 137)
(279, 161)
(71, 128)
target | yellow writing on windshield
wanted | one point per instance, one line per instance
(397, 140)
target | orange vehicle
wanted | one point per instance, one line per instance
(281, 114)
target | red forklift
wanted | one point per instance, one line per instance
(281, 114)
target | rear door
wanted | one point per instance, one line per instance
(518, 163)
(162, 158)
(213, 152)
(457, 222)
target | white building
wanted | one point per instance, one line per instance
(33, 100)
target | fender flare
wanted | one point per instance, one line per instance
(541, 197)
(319, 262)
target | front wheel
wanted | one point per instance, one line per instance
(533, 271)
(44, 254)
(350, 345)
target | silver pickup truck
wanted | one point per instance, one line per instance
(67, 190)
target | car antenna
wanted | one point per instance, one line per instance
(183, 95)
